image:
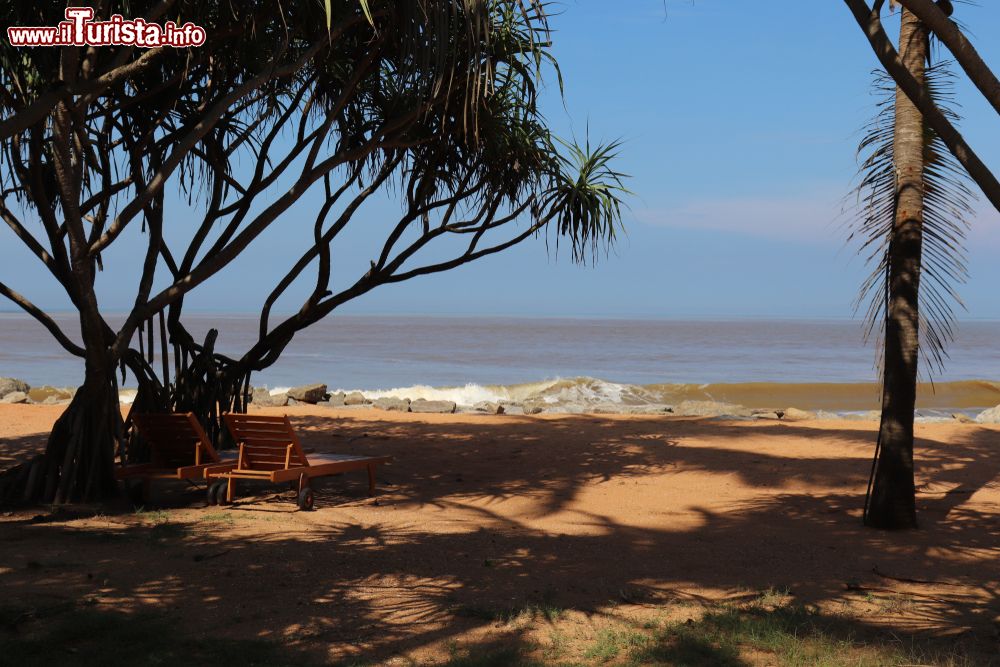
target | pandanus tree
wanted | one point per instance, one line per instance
(915, 204)
(204, 148)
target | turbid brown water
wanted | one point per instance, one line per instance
(574, 364)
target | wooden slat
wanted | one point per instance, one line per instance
(274, 436)
(264, 442)
(265, 449)
(253, 459)
(256, 419)
(249, 423)
(178, 442)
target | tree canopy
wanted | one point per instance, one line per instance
(436, 99)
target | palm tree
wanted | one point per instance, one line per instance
(915, 204)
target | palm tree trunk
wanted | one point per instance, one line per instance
(892, 503)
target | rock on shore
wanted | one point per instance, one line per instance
(334, 400)
(11, 385)
(356, 398)
(310, 393)
(796, 415)
(991, 416)
(393, 404)
(532, 407)
(442, 407)
(15, 397)
(263, 398)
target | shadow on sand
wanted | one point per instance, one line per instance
(351, 581)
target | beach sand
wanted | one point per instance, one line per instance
(607, 517)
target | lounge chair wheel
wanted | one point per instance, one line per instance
(210, 493)
(220, 494)
(306, 499)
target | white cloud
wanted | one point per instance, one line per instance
(816, 215)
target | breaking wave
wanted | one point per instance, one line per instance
(584, 394)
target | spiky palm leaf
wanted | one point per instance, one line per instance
(947, 208)
(585, 197)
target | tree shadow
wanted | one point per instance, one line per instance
(496, 518)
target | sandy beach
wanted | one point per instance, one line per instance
(605, 517)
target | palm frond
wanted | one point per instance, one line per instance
(947, 208)
(585, 197)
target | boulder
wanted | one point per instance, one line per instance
(489, 408)
(263, 398)
(767, 416)
(310, 393)
(532, 408)
(963, 419)
(259, 395)
(442, 407)
(356, 398)
(11, 385)
(334, 401)
(15, 397)
(392, 403)
(991, 416)
(796, 415)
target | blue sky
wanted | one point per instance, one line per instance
(740, 122)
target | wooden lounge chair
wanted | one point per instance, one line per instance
(178, 447)
(269, 451)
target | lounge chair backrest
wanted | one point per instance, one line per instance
(175, 440)
(266, 443)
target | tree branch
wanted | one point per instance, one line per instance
(871, 24)
(44, 319)
(965, 53)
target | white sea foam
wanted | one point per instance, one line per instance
(573, 394)
(466, 395)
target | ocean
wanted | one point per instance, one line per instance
(572, 363)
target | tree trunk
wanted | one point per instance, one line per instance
(892, 503)
(81, 449)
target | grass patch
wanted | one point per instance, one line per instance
(156, 516)
(217, 517)
(90, 638)
(761, 631)
(528, 612)
(787, 635)
(509, 654)
(612, 642)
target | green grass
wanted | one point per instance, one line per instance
(530, 611)
(788, 635)
(217, 517)
(156, 516)
(612, 642)
(725, 636)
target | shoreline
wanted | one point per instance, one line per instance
(962, 401)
